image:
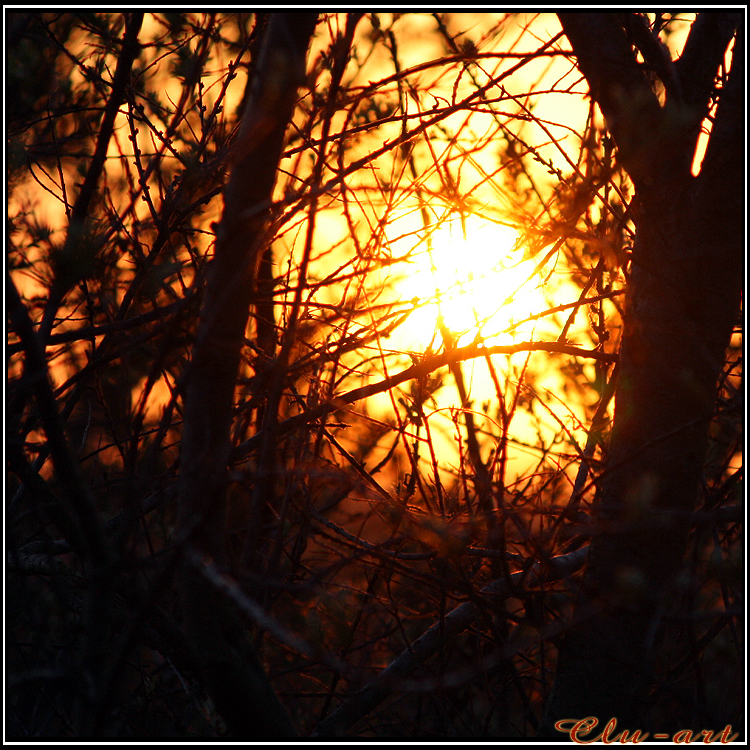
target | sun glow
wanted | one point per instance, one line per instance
(473, 281)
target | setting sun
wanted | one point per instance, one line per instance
(354, 357)
(474, 280)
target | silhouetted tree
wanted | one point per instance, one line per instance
(238, 503)
(684, 294)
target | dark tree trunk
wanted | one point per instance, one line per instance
(683, 299)
(230, 669)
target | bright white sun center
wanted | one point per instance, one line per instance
(474, 279)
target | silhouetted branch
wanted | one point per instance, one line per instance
(359, 705)
(426, 365)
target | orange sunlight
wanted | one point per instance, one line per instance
(472, 279)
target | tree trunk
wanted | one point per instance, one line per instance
(230, 669)
(683, 299)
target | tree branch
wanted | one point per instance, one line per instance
(617, 84)
(230, 668)
(704, 50)
(78, 250)
(455, 622)
(426, 366)
(84, 530)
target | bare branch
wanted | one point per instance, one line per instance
(427, 365)
(456, 621)
(630, 107)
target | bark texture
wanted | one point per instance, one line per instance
(230, 669)
(683, 299)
